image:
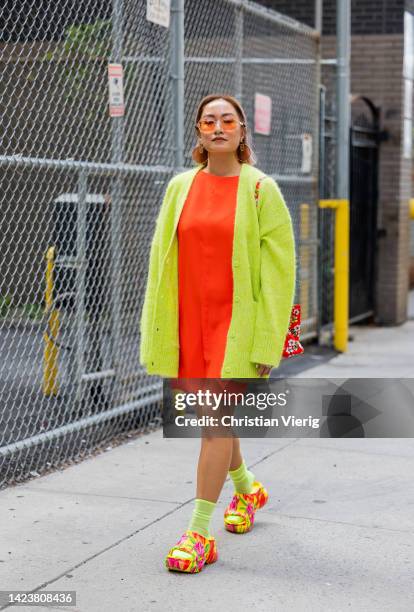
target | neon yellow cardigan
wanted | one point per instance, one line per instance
(264, 279)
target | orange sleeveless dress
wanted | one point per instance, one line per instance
(205, 275)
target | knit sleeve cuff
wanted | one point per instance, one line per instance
(267, 349)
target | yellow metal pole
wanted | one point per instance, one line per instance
(341, 274)
(50, 356)
(412, 208)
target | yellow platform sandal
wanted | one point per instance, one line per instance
(191, 553)
(239, 514)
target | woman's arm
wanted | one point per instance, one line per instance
(277, 275)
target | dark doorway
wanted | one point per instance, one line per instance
(365, 138)
(364, 158)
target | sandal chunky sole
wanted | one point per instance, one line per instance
(243, 506)
(202, 550)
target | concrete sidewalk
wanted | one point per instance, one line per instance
(337, 533)
(373, 352)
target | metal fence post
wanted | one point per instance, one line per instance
(319, 16)
(322, 144)
(177, 80)
(343, 41)
(238, 66)
(80, 281)
(117, 128)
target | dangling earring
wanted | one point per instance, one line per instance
(241, 145)
(201, 148)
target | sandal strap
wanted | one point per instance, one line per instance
(245, 502)
(236, 513)
(240, 511)
(249, 497)
(191, 551)
(187, 545)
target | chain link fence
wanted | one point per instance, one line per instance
(80, 192)
(327, 189)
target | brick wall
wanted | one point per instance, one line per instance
(368, 16)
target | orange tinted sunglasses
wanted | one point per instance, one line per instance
(207, 126)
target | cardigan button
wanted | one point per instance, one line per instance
(236, 264)
(227, 369)
(232, 336)
(237, 299)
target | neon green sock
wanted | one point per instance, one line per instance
(199, 522)
(200, 519)
(242, 478)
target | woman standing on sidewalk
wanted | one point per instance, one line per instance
(219, 295)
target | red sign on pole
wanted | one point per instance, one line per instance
(116, 90)
(262, 114)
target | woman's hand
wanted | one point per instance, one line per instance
(263, 369)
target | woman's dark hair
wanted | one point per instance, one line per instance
(247, 155)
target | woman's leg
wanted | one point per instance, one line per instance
(242, 478)
(219, 455)
(236, 457)
(213, 465)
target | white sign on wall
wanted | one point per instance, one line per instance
(262, 114)
(306, 153)
(116, 90)
(158, 11)
(408, 72)
(408, 67)
(407, 138)
(408, 98)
